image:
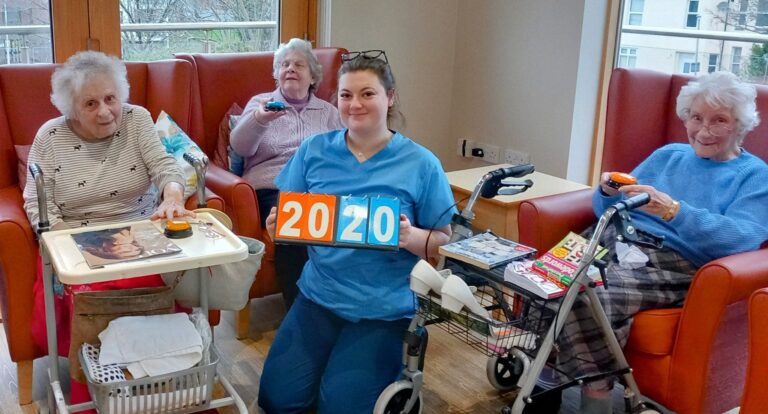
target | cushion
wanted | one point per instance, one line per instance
(177, 143)
(221, 153)
(22, 153)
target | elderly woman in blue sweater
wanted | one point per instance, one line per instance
(708, 200)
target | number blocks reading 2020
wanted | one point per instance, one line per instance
(343, 221)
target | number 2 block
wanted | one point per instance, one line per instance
(353, 220)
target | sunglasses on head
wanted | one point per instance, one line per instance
(365, 54)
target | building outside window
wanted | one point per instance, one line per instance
(636, 12)
(712, 66)
(736, 60)
(692, 19)
(31, 44)
(627, 57)
(674, 35)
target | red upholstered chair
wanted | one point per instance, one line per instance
(224, 79)
(755, 398)
(24, 106)
(689, 359)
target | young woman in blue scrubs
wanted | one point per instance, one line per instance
(340, 344)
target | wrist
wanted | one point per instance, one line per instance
(672, 211)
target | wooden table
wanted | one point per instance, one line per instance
(500, 213)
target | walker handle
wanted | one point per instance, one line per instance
(42, 201)
(633, 202)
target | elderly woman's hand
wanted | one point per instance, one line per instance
(661, 204)
(263, 116)
(173, 203)
(607, 189)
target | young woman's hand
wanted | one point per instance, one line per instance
(271, 223)
(405, 231)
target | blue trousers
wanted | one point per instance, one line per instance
(321, 361)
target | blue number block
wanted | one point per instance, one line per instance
(384, 222)
(353, 220)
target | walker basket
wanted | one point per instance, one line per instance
(179, 392)
(517, 320)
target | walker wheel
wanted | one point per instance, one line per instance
(394, 398)
(504, 371)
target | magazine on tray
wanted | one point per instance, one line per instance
(122, 244)
(522, 274)
(486, 250)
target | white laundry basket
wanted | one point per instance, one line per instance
(179, 392)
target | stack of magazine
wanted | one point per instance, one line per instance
(122, 244)
(486, 250)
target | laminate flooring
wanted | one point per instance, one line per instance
(455, 379)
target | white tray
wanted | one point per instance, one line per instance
(197, 251)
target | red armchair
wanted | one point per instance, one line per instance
(224, 79)
(689, 359)
(24, 106)
(755, 399)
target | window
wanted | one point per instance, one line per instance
(687, 63)
(636, 12)
(761, 19)
(692, 19)
(207, 27)
(627, 57)
(725, 37)
(712, 66)
(736, 60)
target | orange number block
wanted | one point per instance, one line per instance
(306, 217)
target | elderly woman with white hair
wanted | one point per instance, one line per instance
(708, 200)
(267, 139)
(100, 160)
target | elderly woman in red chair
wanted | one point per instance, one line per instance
(100, 160)
(708, 201)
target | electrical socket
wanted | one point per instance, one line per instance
(464, 147)
(516, 157)
(490, 152)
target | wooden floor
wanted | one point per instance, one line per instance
(454, 375)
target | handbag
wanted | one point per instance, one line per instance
(94, 310)
(229, 283)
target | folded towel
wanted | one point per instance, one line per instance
(151, 345)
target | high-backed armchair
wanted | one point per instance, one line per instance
(689, 359)
(755, 399)
(24, 106)
(224, 79)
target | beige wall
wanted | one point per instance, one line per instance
(505, 72)
(419, 38)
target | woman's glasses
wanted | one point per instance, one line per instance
(716, 130)
(365, 54)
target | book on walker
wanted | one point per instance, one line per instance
(560, 263)
(122, 244)
(486, 250)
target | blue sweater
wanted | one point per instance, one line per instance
(723, 205)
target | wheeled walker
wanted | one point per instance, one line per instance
(183, 391)
(519, 331)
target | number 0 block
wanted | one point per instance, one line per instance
(384, 222)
